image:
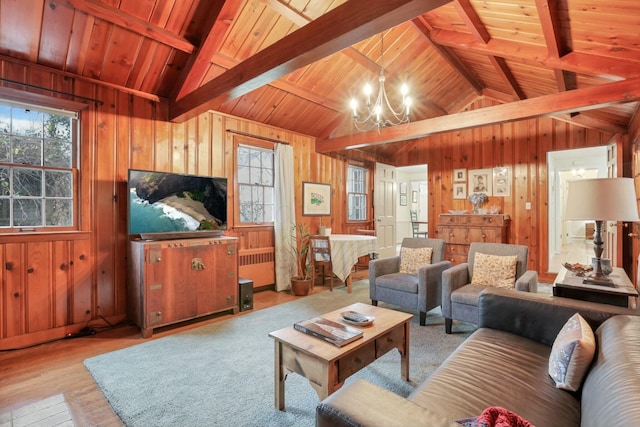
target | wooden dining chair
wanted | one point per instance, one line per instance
(321, 259)
(415, 226)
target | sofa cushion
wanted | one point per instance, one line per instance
(572, 353)
(399, 281)
(494, 270)
(411, 259)
(610, 393)
(501, 369)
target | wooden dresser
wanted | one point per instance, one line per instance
(460, 230)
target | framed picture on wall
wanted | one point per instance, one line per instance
(502, 182)
(403, 188)
(460, 190)
(403, 200)
(480, 181)
(316, 199)
(459, 175)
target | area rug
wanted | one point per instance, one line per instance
(222, 374)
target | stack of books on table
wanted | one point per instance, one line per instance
(328, 330)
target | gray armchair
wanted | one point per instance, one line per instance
(460, 297)
(419, 291)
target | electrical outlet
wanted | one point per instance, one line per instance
(527, 206)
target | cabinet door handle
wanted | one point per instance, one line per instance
(9, 266)
(30, 270)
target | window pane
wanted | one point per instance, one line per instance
(5, 212)
(356, 193)
(27, 183)
(243, 175)
(27, 151)
(27, 122)
(5, 148)
(58, 184)
(5, 119)
(57, 127)
(59, 213)
(27, 212)
(58, 153)
(5, 184)
(243, 156)
(255, 177)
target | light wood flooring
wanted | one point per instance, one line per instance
(48, 385)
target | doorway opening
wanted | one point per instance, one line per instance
(571, 241)
(413, 182)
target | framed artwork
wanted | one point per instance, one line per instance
(403, 200)
(459, 175)
(480, 181)
(460, 190)
(316, 199)
(414, 196)
(502, 182)
(403, 188)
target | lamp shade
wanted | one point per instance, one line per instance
(602, 199)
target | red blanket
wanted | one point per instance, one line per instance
(495, 416)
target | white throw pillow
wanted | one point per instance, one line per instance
(494, 270)
(572, 353)
(411, 259)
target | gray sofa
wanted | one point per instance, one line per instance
(505, 363)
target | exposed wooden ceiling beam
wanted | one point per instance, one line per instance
(424, 29)
(128, 22)
(338, 29)
(548, 14)
(566, 102)
(595, 65)
(586, 121)
(472, 20)
(227, 63)
(218, 23)
(301, 20)
(503, 70)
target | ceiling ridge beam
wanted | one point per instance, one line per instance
(574, 61)
(548, 105)
(129, 22)
(347, 24)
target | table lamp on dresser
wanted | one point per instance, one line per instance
(601, 199)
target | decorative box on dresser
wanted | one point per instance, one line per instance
(458, 231)
(175, 280)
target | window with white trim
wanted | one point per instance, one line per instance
(255, 181)
(356, 193)
(37, 167)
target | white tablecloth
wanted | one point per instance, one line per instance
(345, 250)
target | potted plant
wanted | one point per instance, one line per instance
(301, 282)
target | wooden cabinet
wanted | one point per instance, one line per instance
(460, 230)
(175, 280)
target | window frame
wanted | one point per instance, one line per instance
(366, 193)
(47, 105)
(257, 144)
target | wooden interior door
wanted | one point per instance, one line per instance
(613, 245)
(384, 209)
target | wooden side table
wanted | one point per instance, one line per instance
(622, 293)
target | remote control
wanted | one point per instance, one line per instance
(355, 317)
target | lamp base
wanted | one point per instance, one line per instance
(596, 280)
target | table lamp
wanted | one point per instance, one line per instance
(601, 199)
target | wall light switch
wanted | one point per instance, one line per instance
(527, 206)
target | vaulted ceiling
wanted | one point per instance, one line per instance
(295, 64)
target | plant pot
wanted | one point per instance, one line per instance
(300, 287)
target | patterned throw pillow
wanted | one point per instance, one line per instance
(494, 270)
(572, 353)
(411, 259)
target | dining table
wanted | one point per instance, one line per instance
(345, 251)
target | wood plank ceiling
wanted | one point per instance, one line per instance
(295, 64)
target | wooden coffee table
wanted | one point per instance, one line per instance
(325, 365)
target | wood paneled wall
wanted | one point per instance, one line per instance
(523, 147)
(57, 282)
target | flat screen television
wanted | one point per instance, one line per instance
(166, 205)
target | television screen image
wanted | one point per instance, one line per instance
(167, 205)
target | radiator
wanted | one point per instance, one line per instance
(257, 265)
